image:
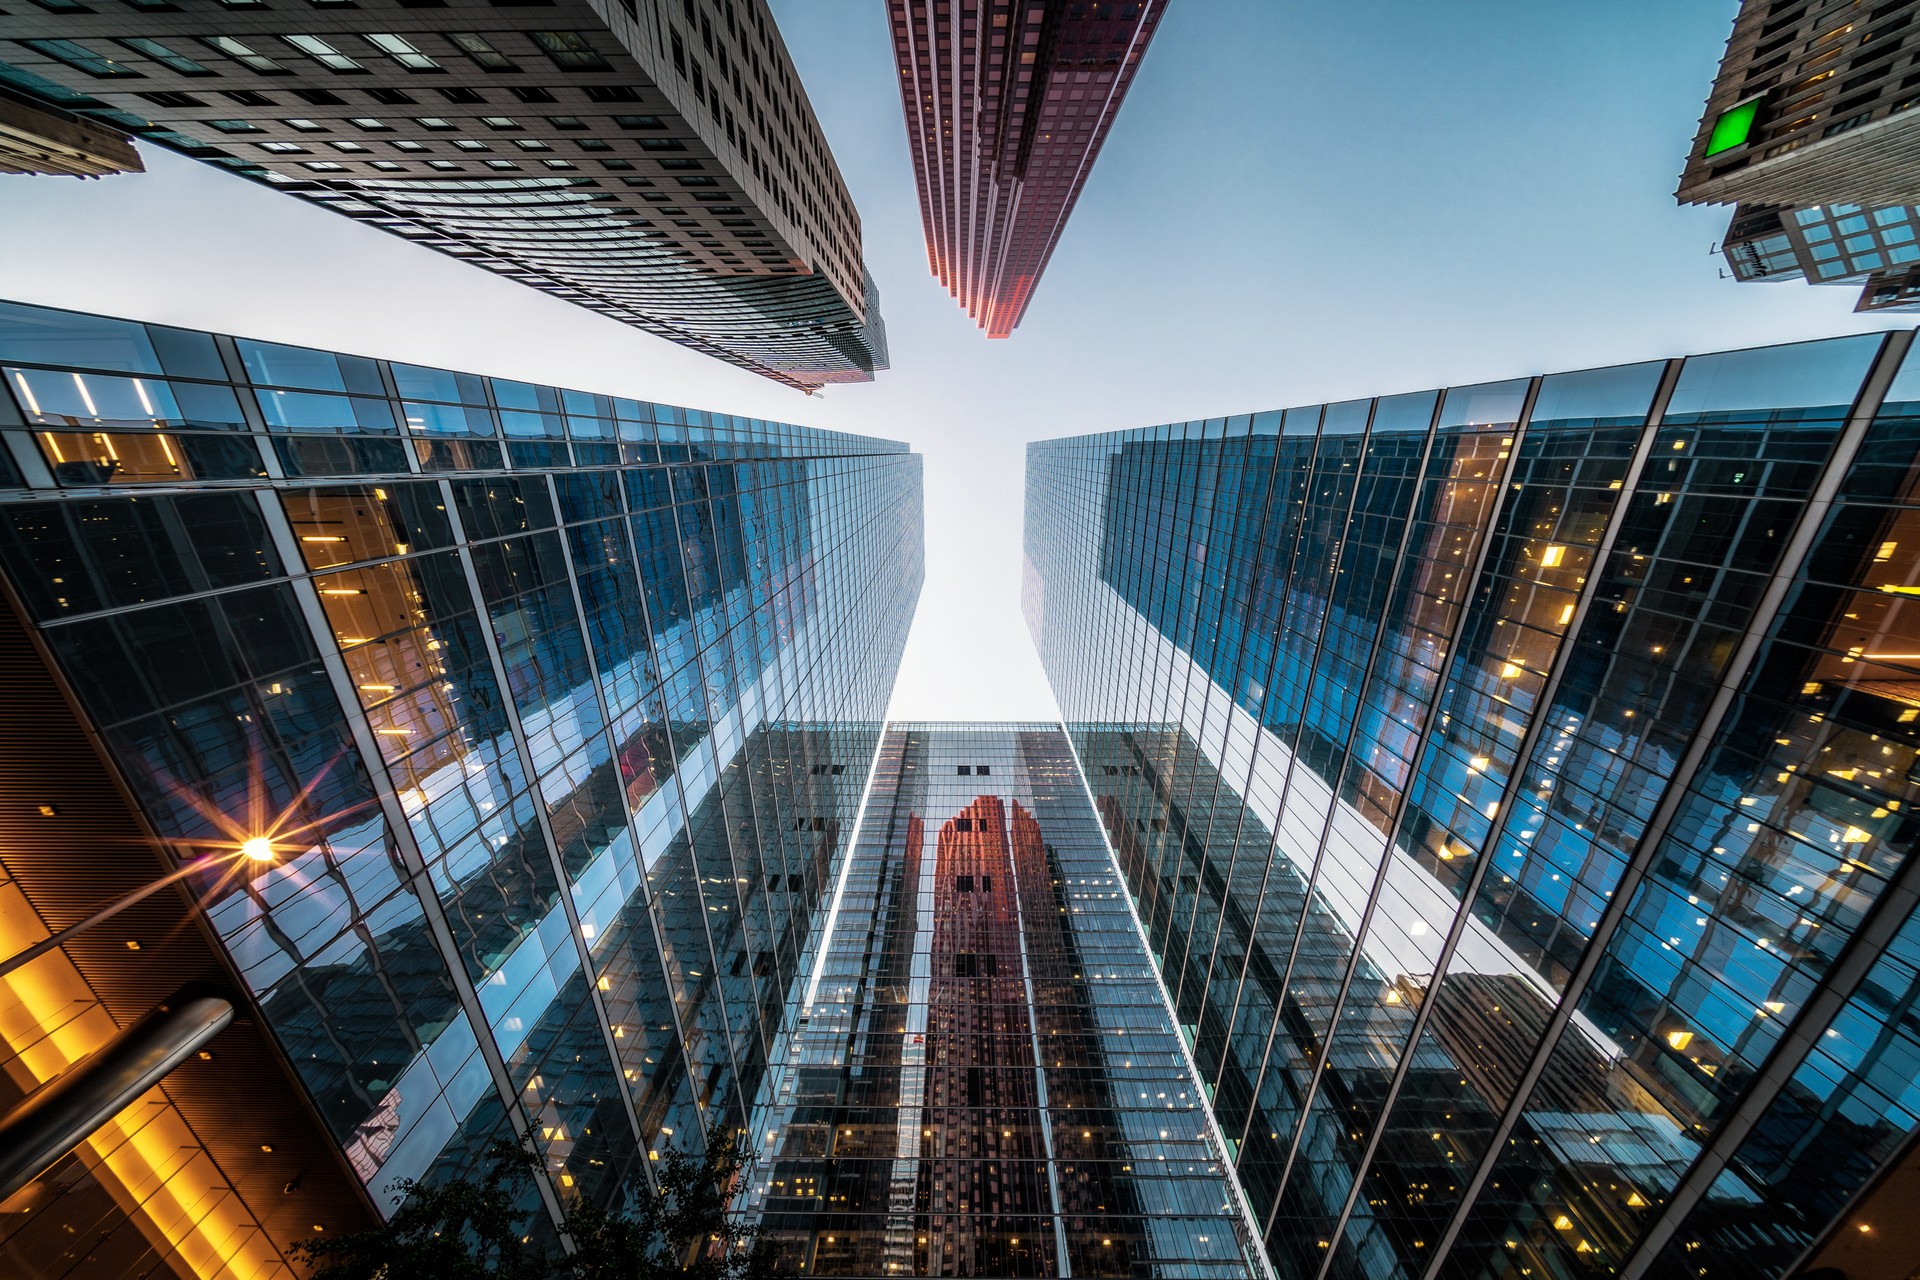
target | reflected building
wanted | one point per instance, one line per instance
(985, 1079)
(1007, 107)
(1512, 781)
(656, 162)
(556, 705)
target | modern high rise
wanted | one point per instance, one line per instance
(1007, 106)
(1812, 105)
(1807, 130)
(555, 706)
(985, 1079)
(657, 162)
(1831, 244)
(1513, 782)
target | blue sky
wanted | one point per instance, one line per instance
(1300, 201)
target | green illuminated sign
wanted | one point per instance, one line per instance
(1733, 128)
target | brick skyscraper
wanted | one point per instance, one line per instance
(1007, 105)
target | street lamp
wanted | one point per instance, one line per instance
(254, 849)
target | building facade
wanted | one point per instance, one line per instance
(657, 162)
(1007, 107)
(555, 707)
(1831, 244)
(986, 1080)
(1811, 105)
(1513, 783)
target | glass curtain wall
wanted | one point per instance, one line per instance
(554, 705)
(1574, 716)
(985, 1080)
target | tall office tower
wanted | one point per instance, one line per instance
(1811, 105)
(1515, 782)
(1808, 130)
(1831, 244)
(555, 707)
(652, 161)
(986, 1080)
(1007, 106)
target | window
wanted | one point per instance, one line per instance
(616, 166)
(442, 164)
(348, 146)
(173, 99)
(391, 97)
(433, 122)
(244, 54)
(247, 97)
(676, 165)
(1733, 127)
(324, 166)
(480, 51)
(408, 144)
(319, 97)
(464, 97)
(639, 122)
(566, 122)
(305, 126)
(167, 57)
(531, 144)
(404, 52)
(610, 93)
(370, 125)
(982, 770)
(662, 144)
(965, 771)
(594, 144)
(570, 50)
(501, 164)
(83, 59)
(532, 96)
(283, 148)
(499, 122)
(562, 164)
(470, 144)
(236, 126)
(324, 54)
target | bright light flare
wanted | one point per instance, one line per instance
(259, 848)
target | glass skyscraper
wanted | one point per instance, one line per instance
(555, 705)
(985, 1079)
(1514, 784)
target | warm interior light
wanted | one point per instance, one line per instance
(1552, 556)
(260, 849)
(1679, 1039)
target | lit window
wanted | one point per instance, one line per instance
(244, 54)
(323, 53)
(403, 51)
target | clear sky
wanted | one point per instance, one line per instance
(1300, 201)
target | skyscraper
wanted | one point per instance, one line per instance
(986, 1080)
(1811, 106)
(1007, 106)
(658, 163)
(555, 707)
(1513, 781)
(1807, 129)
(1831, 244)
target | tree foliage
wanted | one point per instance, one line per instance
(463, 1229)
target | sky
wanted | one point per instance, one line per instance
(1298, 202)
